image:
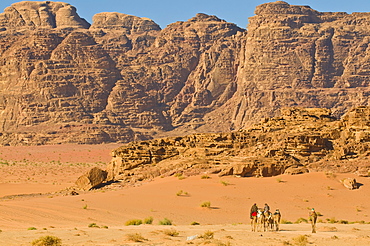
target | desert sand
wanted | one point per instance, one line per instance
(34, 202)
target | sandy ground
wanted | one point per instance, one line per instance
(31, 178)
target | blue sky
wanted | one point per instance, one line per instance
(165, 12)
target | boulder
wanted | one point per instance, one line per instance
(349, 183)
(91, 179)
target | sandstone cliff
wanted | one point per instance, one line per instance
(122, 78)
(299, 140)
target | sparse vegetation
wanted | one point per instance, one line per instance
(47, 241)
(194, 223)
(179, 176)
(165, 221)
(279, 180)
(301, 240)
(31, 228)
(93, 225)
(332, 220)
(225, 183)
(206, 204)
(181, 192)
(171, 232)
(330, 175)
(135, 237)
(207, 235)
(133, 222)
(286, 222)
(85, 207)
(205, 177)
(148, 221)
(300, 220)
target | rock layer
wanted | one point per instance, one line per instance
(298, 140)
(125, 79)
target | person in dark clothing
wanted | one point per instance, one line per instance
(254, 210)
(266, 208)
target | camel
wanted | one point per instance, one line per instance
(254, 222)
(313, 218)
(260, 220)
(277, 217)
(269, 222)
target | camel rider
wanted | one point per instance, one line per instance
(254, 210)
(266, 208)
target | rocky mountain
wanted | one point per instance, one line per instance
(123, 78)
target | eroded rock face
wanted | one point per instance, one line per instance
(47, 14)
(124, 79)
(302, 139)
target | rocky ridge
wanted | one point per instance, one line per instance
(301, 139)
(123, 78)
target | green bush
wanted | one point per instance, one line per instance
(300, 220)
(165, 221)
(133, 222)
(31, 228)
(206, 204)
(93, 225)
(148, 220)
(47, 241)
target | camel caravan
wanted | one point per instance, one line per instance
(263, 219)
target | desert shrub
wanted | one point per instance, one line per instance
(31, 228)
(104, 227)
(93, 225)
(286, 222)
(47, 241)
(194, 223)
(171, 232)
(181, 192)
(301, 240)
(300, 220)
(165, 221)
(85, 207)
(148, 221)
(133, 222)
(332, 220)
(330, 175)
(225, 183)
(206, 204)
(179, 176)
(135, 237)
(205, 177)
(279, 180)
(343, 221)
(207, 235)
